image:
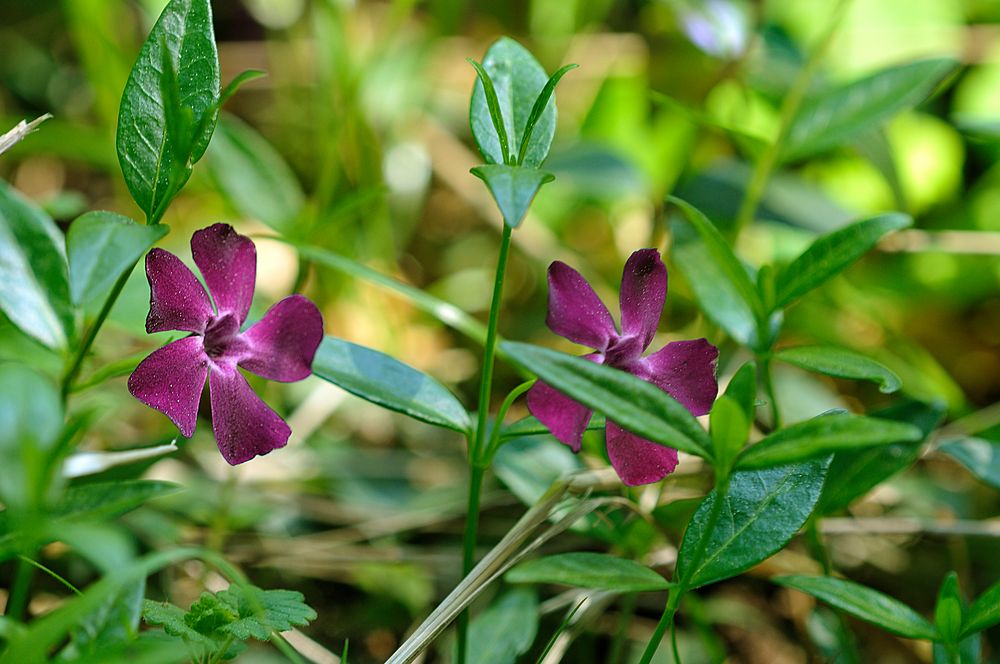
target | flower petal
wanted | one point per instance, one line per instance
(282, 344)
(686, 371)
(565, 418)
(228, 261)
(244, 425)
(177, 300)
(644, 289)
(637, 460)
(575, 311)
(171, 380)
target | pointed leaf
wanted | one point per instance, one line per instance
(631, 402)
(864, 603)
(984, 612)
(386, 381)
(541, 102)
(980, 456)
(822, 435)
(589, 570)
(761, 511)
(102, 500)
(33, 273)
(842, 363)
(518, 80)
(102, 246)
(506, 629)
(839, 115)
(729, 427)
(513, 188)
(948, 609)
(31, 419)
(831, 254)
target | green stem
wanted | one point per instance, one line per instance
(287, 649)
(221, 652)
(52, 573)
(88, 340)
(621, 632)
(476, 448)
(491, 448)
(666, 620)
(21, 590)
(816, 546)
(789, 108)
(772, 395)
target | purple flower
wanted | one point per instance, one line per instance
(280, 346)
(683, 369)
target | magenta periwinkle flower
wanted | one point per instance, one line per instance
(683, 369)
(280, 346)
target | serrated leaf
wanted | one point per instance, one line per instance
(506, 629)
(102, 246)
(259, 612)
(386, 381)
(631, 402)
(761, 511)
(33, 272)
(980, 456)
(837, 116)
(513, 188)
(183, 37)
(823, 435)
(841, 363)
(589, 570)
(518, 80)
(864, 603)
(832, 253)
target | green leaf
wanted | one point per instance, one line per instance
(719, 280)
(822, 435)
(842, 363)
(970, 651)
(184, 38)
(837, 116)
(518, 80)
(631, 402)
(864, 603)
(253, 177)
(729, 428)
(102, 246)
(259, 612)
(984, 612)
(35, 292)
(102, 500)
(541, 102)
(513, 188)
(529, 466)
(506, 629)
(742, 389)
(589, 570)
(234, 85)
(530, 426)
(832, 253)
(980, 456)
(114, 621)
(948, 609)
(386, 381)
(761, 511)
(172, 619)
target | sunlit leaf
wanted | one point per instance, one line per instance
(842, 363)
(588, 570)
(513, 188)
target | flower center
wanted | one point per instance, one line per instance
(623, 351)
(222, 336)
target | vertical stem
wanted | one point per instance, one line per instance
(476, 471)
(20, 591)
(816, 546)
(772, 395)
(88, 340)
(666, 620)
(793, 100)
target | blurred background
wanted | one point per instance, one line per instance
(357, 141)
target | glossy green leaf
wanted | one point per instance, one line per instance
(513, 188)
(538, 109)
(761, 511)
(822, 435)
(832, 253)
(984, 612)
(837, 116)
(253, 177)
(518, 80)
(35, 291)
(980, 456)
(742, 389)
(152, 160)
(386, 381)
(102, 246)
(102, 500)
(948, 609)
(970, 651)
(841, 363)
(729, 427)
(506, 629)
(589, 570)
(631, 402)
(864, 603)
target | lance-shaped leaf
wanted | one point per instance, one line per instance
(589, 570)
(837, 116)
(822, 435)
(832, 253)
(980, 456)
(841, 363)
(102, 246)
(864, 603)
(34, 284)
(760, 512)
(948, 609)
(386, 381)
(513, 188)
(630, 402)
(178, 60)
(984, 612)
